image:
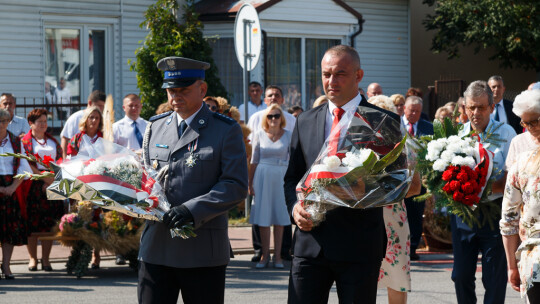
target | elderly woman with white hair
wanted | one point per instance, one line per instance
(527, 107)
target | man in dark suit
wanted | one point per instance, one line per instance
(348, 247)
(204, 156)
(416, 127)
(503, 107)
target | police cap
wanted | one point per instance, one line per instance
(181, 72)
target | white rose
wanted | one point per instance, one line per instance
(332, 162)
(357, 158)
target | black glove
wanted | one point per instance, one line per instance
(177, 217)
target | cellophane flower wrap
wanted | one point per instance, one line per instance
(371, 167)
(113, 177)
(457, 170)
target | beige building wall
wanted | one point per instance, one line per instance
(427, 67)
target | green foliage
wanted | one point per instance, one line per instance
(168, 38)
(510, 28)
(78, 260)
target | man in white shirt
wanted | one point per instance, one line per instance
(71, 127)
(503, 107)
(255, 103)
(129, 131)
(62, 96)
(18, 125)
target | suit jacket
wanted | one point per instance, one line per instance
(423, 127)
(213, 185)
(513, 119)
(347, 235)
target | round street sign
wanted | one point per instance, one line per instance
(247, 36)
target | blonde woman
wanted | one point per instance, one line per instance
(91, 125)
(399, 103)
(269, 162)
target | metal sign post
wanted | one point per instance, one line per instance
(247, 44)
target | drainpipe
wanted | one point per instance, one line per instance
(360, 29)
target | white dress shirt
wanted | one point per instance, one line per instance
(124, 135)
(502, 114)
(18, 126)
(406, 124)
(350, 107)
(62, 96)
(71, 127)
(252, 109)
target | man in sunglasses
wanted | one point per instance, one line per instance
(469, 242)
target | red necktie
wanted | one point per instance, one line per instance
(411, 129)
(334, 138)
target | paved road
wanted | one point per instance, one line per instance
(245, 284)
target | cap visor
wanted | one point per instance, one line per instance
(169, 84)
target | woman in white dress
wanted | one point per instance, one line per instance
(268, 165)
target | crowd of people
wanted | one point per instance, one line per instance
(263, 156)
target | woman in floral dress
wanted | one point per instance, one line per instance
(521, 206)
(42, 213)
(396, 265)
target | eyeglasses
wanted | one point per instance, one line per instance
(530, 124)
(212, 108)
(4, 121)
(273, 116)
(479, 108)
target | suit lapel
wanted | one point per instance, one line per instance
(193, 132)
(321, 122)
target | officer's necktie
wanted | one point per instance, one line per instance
(411, 129)
(137, 133)
(182, 128)
(334, 134)
(497, 111)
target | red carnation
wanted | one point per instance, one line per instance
(470, 199)
(447, 175)
(473, 175)
(455, 185)
(462, 176)
(446, 188)
(458, 196)
(47, 159)
(468, 188)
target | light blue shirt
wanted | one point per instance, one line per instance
(499, 149)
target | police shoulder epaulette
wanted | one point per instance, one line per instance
(224, 118)
(160, 116)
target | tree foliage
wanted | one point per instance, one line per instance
(167, 37)
(510, 28)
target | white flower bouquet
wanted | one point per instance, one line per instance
(113, 177)
(372, 166)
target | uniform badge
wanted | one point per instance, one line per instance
(171, 63)
(191, 160)
(155, 164)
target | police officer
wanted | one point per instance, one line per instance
(207, 175)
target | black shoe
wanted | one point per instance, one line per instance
(94, 266)
(256, 257)
(414, 256)
(120, 260)
(286, 257)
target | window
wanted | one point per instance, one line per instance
(82, 71)
(230, 72)
(301, 86)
